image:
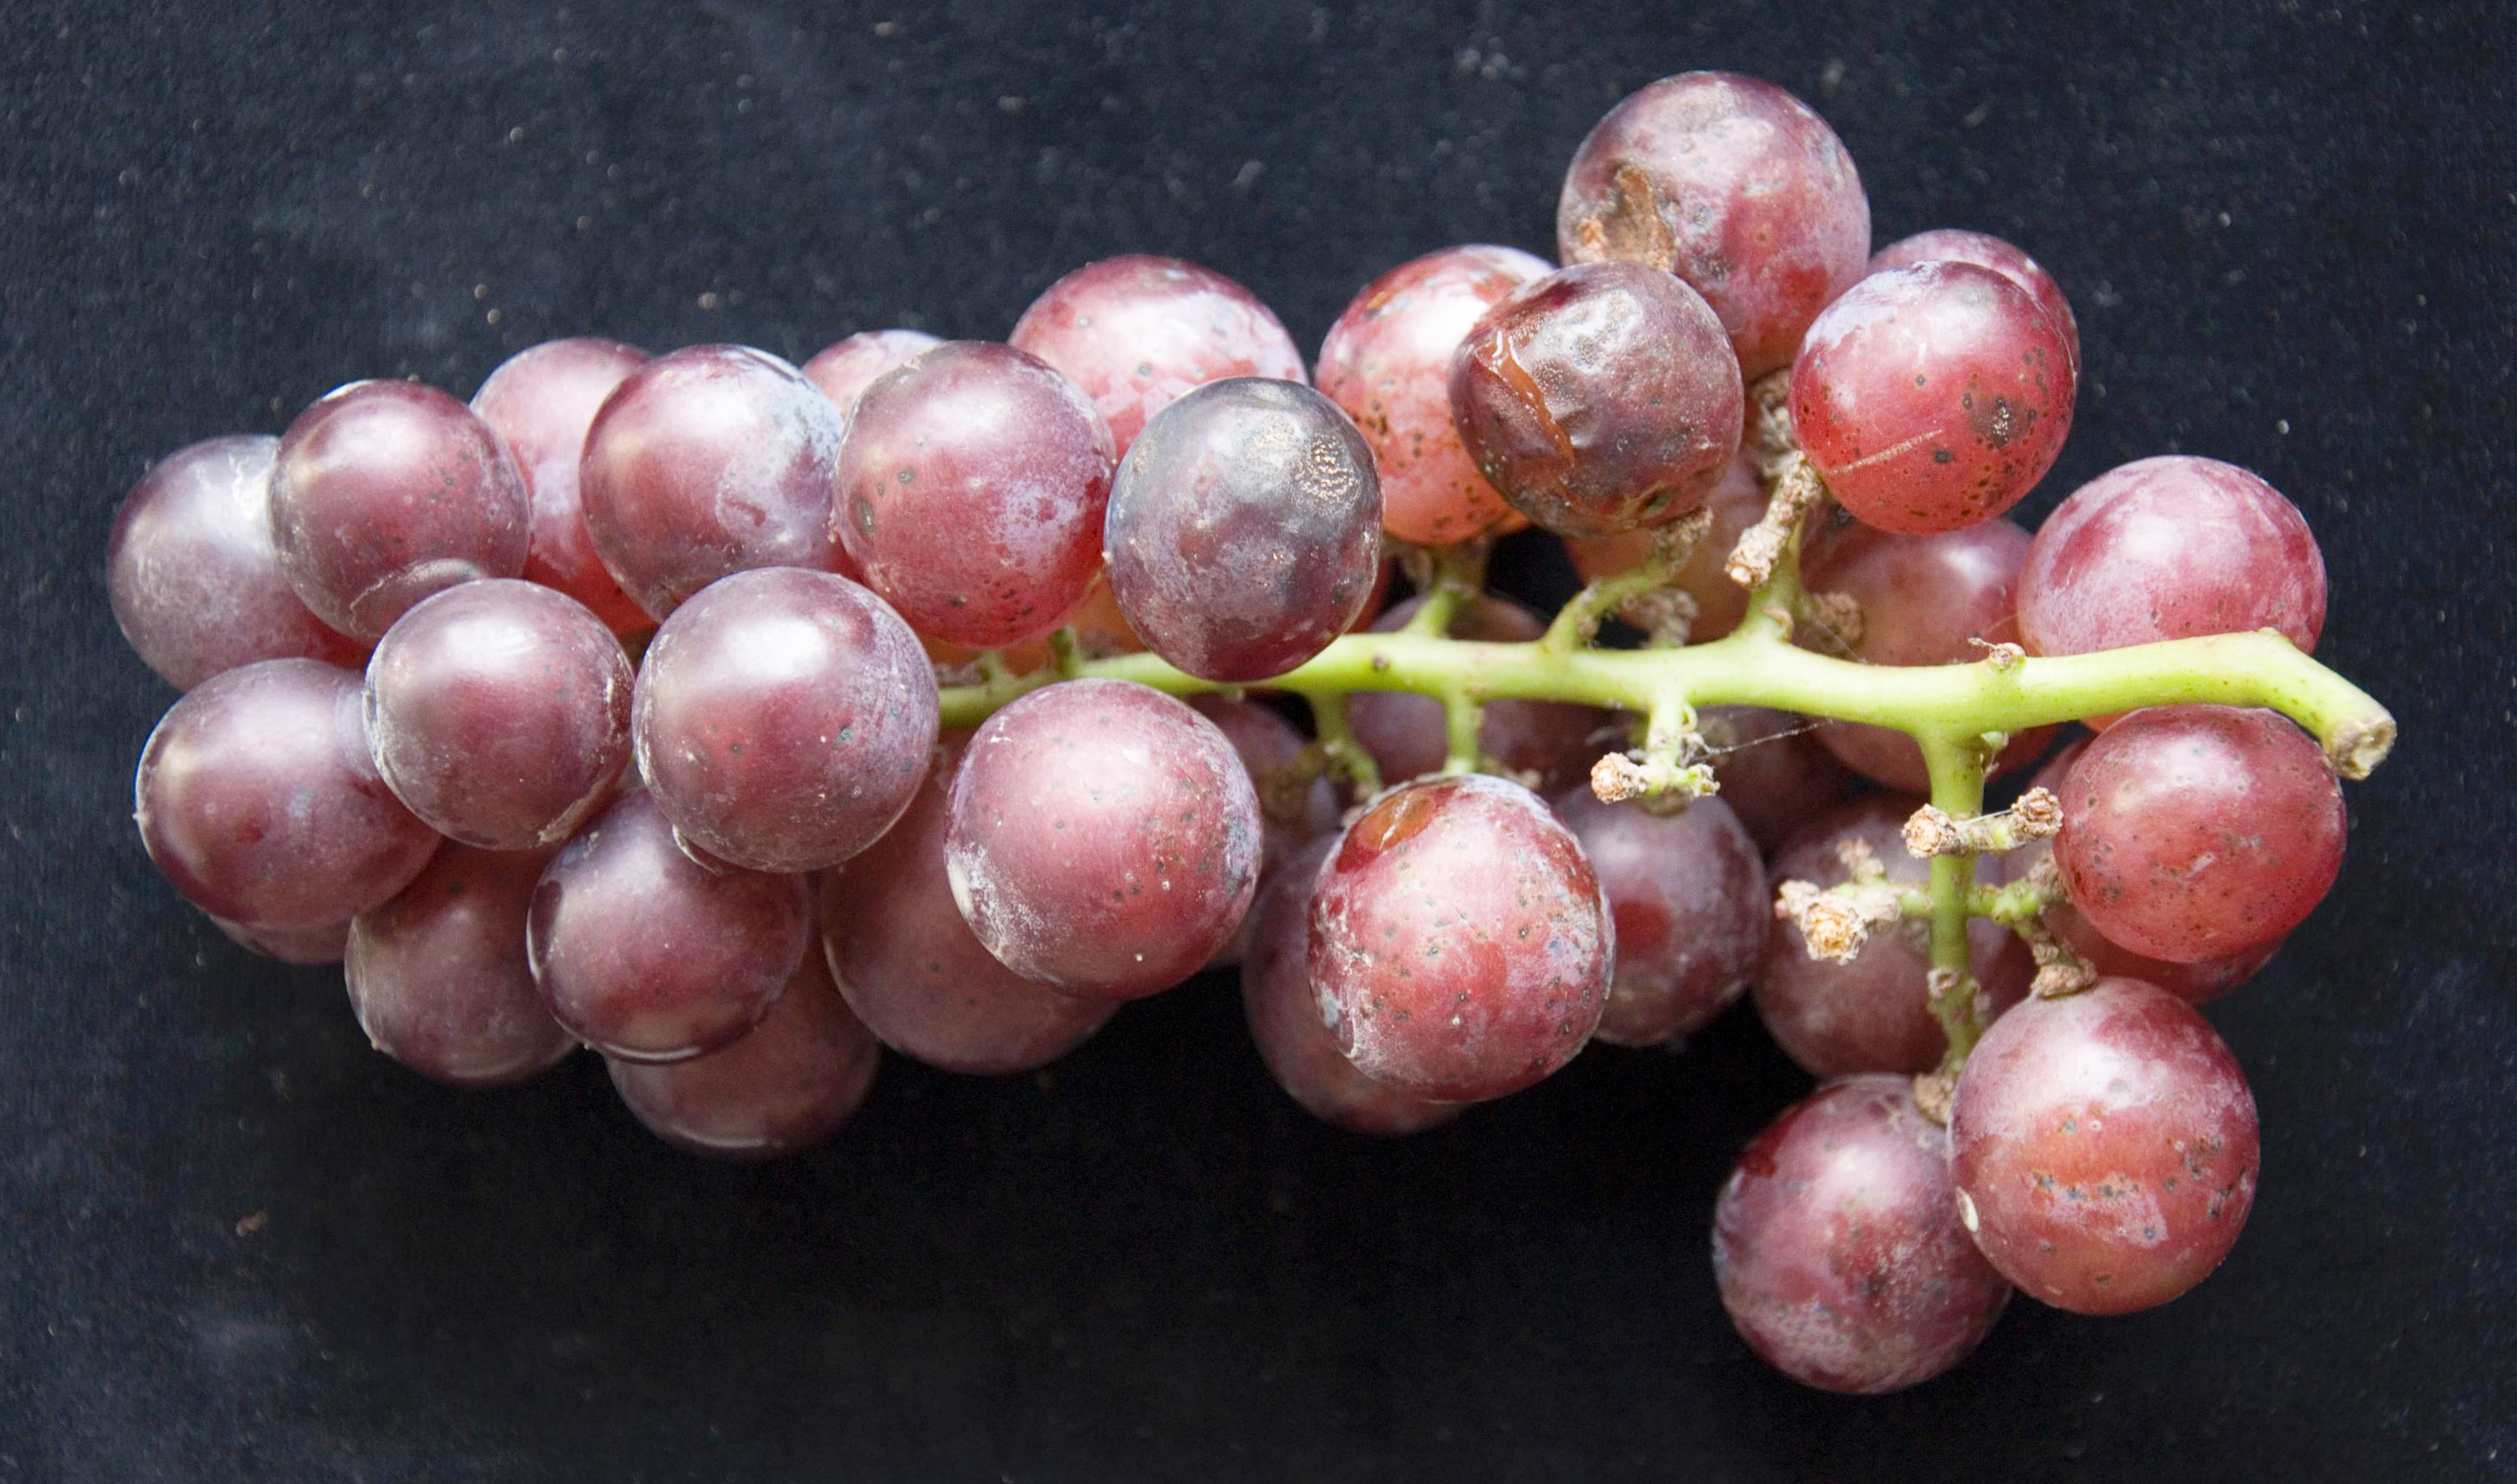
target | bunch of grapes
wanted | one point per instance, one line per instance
(736, 720)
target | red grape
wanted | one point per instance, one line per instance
(194, 579)
(1689, 895)
(783, 718)
(1104, 838)
(1598, 399)
(440, 978)
(1553, 741)
(844, 370)
(1388, 363)
(1771, 769)
(971, 489)
(2105, 1148)
(1267, 744)
(259, 800)
(2194, 832)
(1244, 528)
(1139, 332)
(1736, 504)
(541, 401)
(1837, 1245)
(1735, 186)
(1460, 942)
(1930, 398)
(1956, 245)
(386, 491)
(323, 942)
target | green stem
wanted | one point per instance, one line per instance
(1956, 763)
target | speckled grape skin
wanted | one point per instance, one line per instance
(1924, 599)
(193, 574)
(1838, 1249)
(2171, 548)
(500, 712)
(1736, 186)
(790, 1083)
(1873, 1015)
(1388, 363)
(1598, 399)
(2103, 1147)
(845, 369)
(1689, 894)
(439, 976)
(712, 460)
(1956, 245)
(1139, 332)
(647, 956)
(2192, 832)
(257, 798)
(912, 971)
(1555, 741)
(1460, 944)
(1104, 838)
(971, 489)
(1735, 504)
(1771, 770)
(541, 401)
(783, 718)
(386, 491)
(1932, 397)
(324, 942)
(1244, 528)
(1299, 1049)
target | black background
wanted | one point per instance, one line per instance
(2285, 228)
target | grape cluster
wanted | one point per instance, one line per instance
(736, 720)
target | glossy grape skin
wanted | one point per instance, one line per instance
(1771, 770)
(1873, 1015)
(1736, 186)
(1689, 894)
(1956, 245)
(439, 975)
(1932, 397)
(499, 711)
(790, 1082)
(258, 799)
(2192, 832)
(1104, 838)
(711, 460)
(2171, 548)
(971, 489)
(644, 954)
(845, 369)
(1924, 599)
(193, 574)
(1460, 944)
(542, 401)
(911, 969)
(783, 718)
(1736, 504)
(1388, 363)
(1299, 1049)
(1598, 399)
(1837, 1244)
(1406, 734)
(386, 491)
(323, 942)
(2105, 1148)
(1137, 332)
(1242, 531)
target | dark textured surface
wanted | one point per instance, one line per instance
(235, 1245)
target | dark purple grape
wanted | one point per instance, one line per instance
(1104, 838)
(194, 579)
(1771, 769)
(541, 401)
(386, 491)
(1956, 245)
(1555, 742)
(1736, 504)
(1267, 744)
(323, 942)
(711, 460)
(645, 954)
(439, 975)
(500, 712)
(258, 799)
(1139, 332)
(971, 489)
(1244, 528)
(844, 370)
(1299, 1049)
(1689, 895)
(1736, 186)
(1598, 399)
(1838, 1249)
(783, 718)
(1459, 946)
(2105, 1148)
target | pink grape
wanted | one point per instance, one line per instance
(440, 978)
(1688, 896)
(1736, 504)
(1771, 769)
(2105, 1148)
(541, 401)
(844, 370)
(1956, 245)
(1555, 741)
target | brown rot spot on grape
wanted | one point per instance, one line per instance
(1395, 819)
